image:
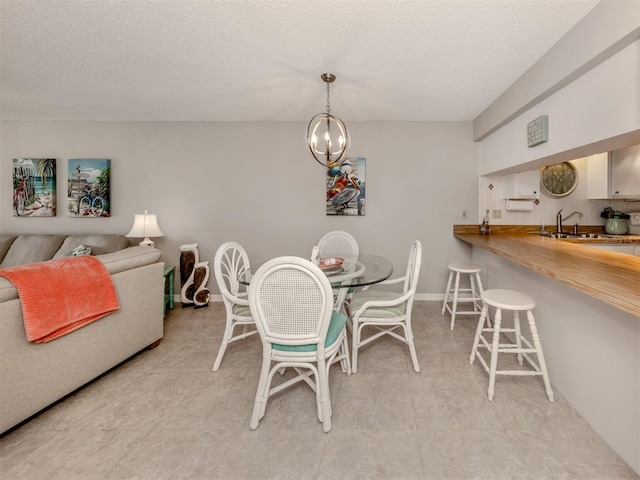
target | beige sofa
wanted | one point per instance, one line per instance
(33, 376)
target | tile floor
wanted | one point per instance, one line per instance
(165, 415)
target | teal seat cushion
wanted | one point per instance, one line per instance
(336, 326)
(360, 298)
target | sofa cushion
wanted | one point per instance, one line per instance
(8, 290)
(5, 243)
(32, 248)
(99, 244)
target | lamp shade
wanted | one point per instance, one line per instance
(144, 226)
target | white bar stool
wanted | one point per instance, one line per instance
(517, 302)
(472, 294)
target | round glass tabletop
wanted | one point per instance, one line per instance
(365, 270)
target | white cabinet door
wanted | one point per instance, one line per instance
(598, 176)
(625, 172)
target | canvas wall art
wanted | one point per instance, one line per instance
(34, 187)
(346, 188)
(88, 187)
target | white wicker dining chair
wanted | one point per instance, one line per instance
(229, 262)
(291, 302)
(338, 243)
(387, 311)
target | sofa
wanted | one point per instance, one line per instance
(36, 375)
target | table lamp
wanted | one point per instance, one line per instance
(144, 226)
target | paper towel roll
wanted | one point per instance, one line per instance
(519, 205)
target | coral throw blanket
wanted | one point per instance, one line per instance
(62, 295)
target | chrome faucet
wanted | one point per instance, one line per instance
(559, 220)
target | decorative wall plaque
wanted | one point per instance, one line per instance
(538, 131)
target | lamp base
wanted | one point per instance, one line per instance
(148, 241)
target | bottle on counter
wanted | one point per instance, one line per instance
(485, 229)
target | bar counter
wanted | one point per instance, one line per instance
(611, 277)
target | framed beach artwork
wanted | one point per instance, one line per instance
(34, 187)
(88, 187)
(346, 188)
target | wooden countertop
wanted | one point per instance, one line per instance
(609, 276)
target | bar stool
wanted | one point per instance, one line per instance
(516, 302)
(452, 294)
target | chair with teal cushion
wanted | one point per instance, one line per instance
(387, 311)
(292, 304)
(229, 262)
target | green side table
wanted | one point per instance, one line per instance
(169, 273)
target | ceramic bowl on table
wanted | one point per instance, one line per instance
(330, 264)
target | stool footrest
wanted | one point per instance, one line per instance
(521, 373)
(470, 312)
(508, 348)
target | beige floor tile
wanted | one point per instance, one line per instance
(14, 448)
(452, 400)
(273, 454)
(371, 454)
(215, 404)
(174, 454)
(470, 454)
(380, 400)
(442, 354)
(571, 454)
(165, 414)
(75, 455)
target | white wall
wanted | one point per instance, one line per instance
(256, 183)
(601, 104)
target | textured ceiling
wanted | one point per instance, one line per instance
(257, 60)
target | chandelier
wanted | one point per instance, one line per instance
(330, 150)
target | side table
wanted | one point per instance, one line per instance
(169, 273)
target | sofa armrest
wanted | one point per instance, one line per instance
(129, 258)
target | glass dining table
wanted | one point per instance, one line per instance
(351, 273)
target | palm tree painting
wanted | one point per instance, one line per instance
(34, 187)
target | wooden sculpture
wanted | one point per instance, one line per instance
(194, 276)
(188, 259)
(200, 278)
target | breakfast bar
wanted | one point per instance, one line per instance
(609, 276)
(588, 317)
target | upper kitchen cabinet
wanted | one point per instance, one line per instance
(614, 174)
(598, 176)
(523, 185)
(625, 172)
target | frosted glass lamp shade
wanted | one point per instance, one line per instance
(145, 226)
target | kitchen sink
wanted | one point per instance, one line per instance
(573, 235)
